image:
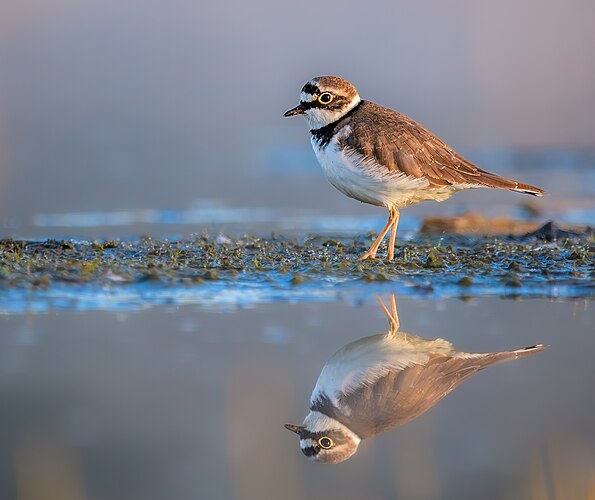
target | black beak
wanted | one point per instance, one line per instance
(298, 110)
(295, 428)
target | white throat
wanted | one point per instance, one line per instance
(318, 117)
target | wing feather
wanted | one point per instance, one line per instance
(404, 146)
(402, 395)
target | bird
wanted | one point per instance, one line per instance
(380, 382)
(379, 156)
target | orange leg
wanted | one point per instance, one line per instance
(370, 254)
(393, 219)
(393, 235)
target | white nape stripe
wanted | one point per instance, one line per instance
(355, 101)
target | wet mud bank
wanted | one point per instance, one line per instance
(546, 262)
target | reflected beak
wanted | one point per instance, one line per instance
(295, 428)
(298, 110)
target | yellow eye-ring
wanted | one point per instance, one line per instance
(325, 98)
(325, 442)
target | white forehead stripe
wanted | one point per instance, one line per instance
(305, 97)
(306, 443)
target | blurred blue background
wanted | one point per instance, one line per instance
(117, 105)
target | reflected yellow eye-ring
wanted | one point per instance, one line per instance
(325, 442)
(325, 98)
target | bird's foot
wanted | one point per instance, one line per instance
(368, 255)
(371, 254)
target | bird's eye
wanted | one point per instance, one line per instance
(325, 98)
(325, 442)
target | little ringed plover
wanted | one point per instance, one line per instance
(379, 156)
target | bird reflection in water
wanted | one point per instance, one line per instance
(380, 382)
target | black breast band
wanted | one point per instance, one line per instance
(323, 135)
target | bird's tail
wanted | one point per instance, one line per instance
(494, 181)
(526, 188)
(495, 358)
(482, 361)
(528, 351)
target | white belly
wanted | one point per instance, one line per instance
(367, 181)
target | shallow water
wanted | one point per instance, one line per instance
(293, 197)
(180, 402)
(136, 374)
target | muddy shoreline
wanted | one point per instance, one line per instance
(509, 262)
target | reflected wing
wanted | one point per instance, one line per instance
(402, 395)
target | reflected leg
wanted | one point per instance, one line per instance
(392, 315)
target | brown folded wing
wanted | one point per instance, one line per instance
(404, 146)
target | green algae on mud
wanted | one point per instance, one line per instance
(456, 261)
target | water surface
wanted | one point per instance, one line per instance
(180, 402)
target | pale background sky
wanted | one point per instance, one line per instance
(119, 105)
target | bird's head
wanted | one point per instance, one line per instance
(324, 100)
(325, 440)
